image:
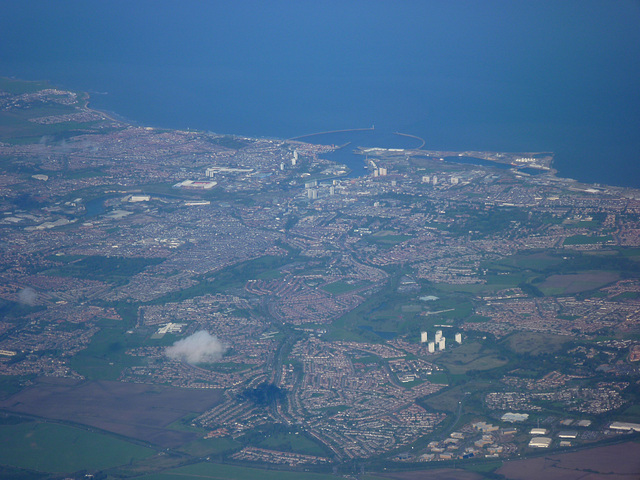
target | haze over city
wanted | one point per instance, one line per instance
(319, 241)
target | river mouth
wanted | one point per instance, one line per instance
(348, 142)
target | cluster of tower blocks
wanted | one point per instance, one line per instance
(439, 341)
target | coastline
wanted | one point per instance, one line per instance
(545, 163)
(538, 160)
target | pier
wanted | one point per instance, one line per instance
(333, 131)
(412, 136)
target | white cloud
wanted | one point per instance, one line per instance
(201, 347)
(27, 296)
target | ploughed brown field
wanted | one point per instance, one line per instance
(133, 410)
(613, 462)
(439, 474)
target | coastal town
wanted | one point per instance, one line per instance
(445, 306)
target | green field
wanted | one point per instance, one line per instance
(391, 313)
(10, 384)
(291, 442)
(627, 296)
(484, 467)
(228, 367)
(388, 238)
(470, 356)
(474, 288)
(535, 343)
(228, 472)
(108, 269)
(446, 400)
(235, 276)
(533, 261)
(576, 283)
(15, 127)
(105, 357)
(586, 239)
(631, 414)
(439, 378)
(49, 447)
(210, 446)
(340, 287)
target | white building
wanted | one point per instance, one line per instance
(441, 343)
(540, 442)
(626, 426)
(139, 198)
(438, 335)
(514, 417)
(432, 347)
(171, 328)
(458, 338)
(424, 337)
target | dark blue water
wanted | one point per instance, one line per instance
(350, 141)
(492, 75)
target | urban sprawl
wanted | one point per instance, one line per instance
(433, 309)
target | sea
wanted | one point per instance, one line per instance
(492, 75)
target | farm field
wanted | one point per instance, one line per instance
(614, 462)
(49, 447)
(534, 343)
(569, 284)
(469, 357)
(228, 472)
(440, 474)
(133, 410)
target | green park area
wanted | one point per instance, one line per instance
(17, 127)
(535, 343)
(576, 283)
(469, 357)
(553, 273)
(108, 269)
(388, 238)
(105, 357)
(229, 472)
(49, 447)
(233, 277)
(341, 286)
(210, 447)
(587, 239)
